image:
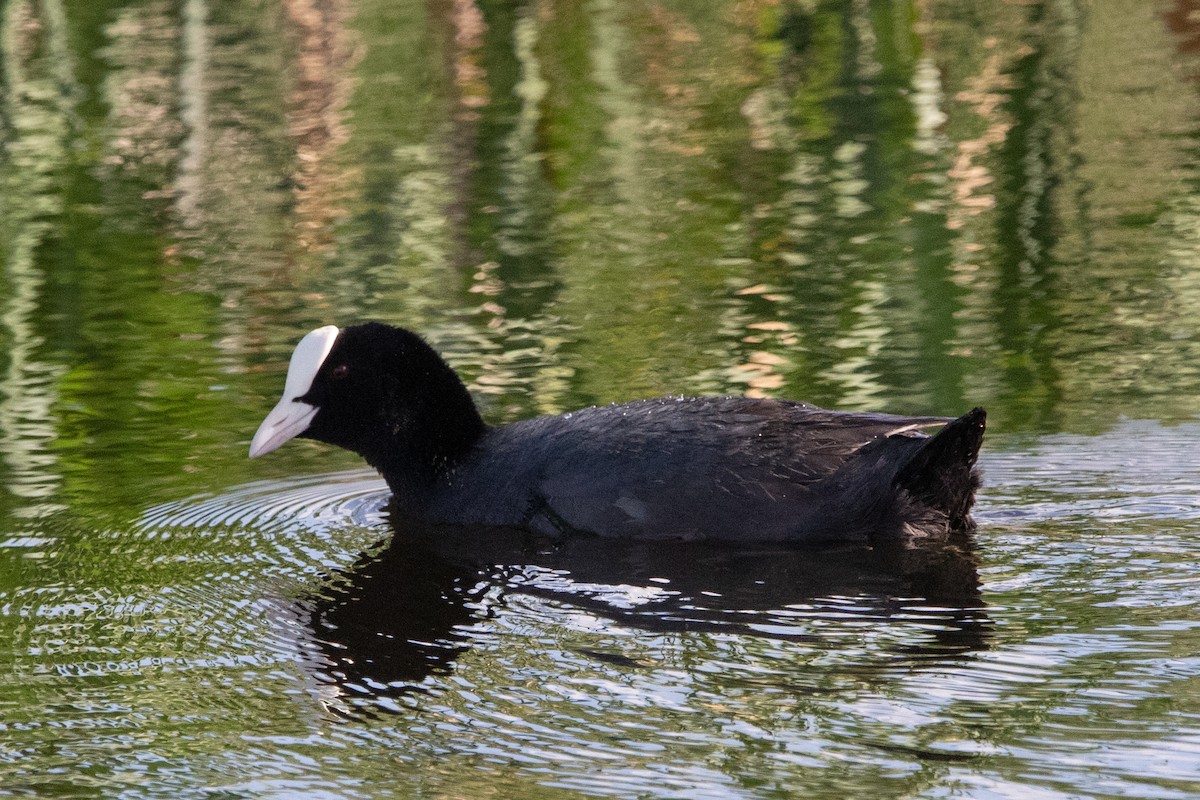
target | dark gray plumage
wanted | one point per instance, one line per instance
(728, 468)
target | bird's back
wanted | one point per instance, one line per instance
(688, 468)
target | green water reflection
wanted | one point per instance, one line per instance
(867, 204)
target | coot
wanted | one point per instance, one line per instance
(721, 468)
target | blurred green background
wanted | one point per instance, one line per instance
(908, 206)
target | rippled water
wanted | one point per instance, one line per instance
(865, 204)
(281, 638)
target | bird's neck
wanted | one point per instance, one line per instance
(422, 443)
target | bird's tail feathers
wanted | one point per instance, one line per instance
(942, 473)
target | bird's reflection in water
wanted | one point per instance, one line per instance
(389, 625)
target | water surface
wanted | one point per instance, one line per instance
(913, 207)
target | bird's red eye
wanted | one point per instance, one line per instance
(339, 372)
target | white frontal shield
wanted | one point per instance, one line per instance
(291, 416)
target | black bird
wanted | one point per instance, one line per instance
(719, 468)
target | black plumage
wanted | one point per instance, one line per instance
(728, 468)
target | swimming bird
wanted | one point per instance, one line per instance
(717, 468)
